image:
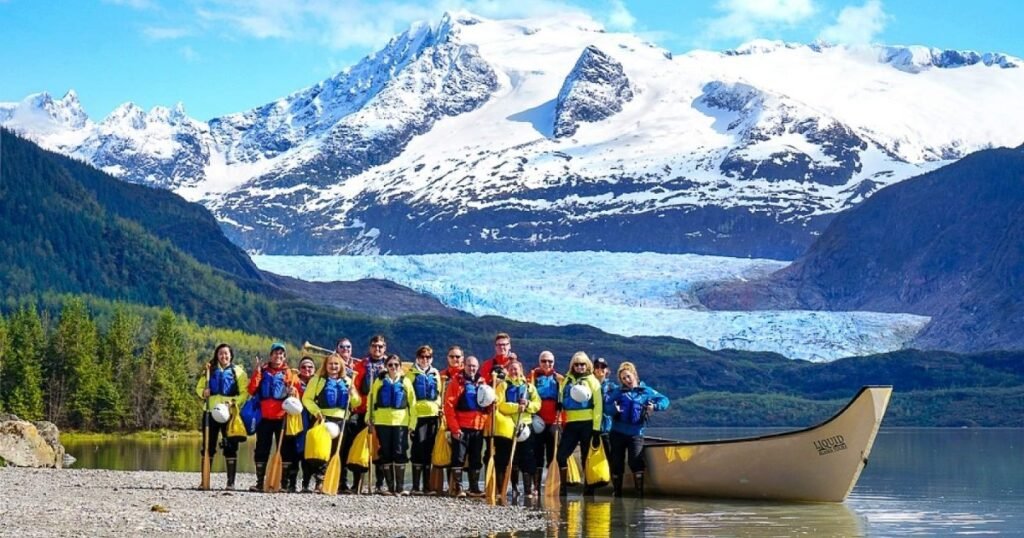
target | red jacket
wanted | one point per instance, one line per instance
(271, 408)
(488, 367)
(456, 418)
(363, 383)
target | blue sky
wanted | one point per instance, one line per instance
(223, 56)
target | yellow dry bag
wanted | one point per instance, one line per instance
(572, 473)
(359, 455)
(236, 428)
(598, 473)
(293, 424)
(442, 453)
(318, 443)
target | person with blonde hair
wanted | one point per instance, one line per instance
(329, 396)
(630, 407)
(580, 397)
(517, 402)
(426, 384)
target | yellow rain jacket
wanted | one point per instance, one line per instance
(590, 410)
(241, 382)
(430, 385)
(313, 397)
(508, 410)
(382, 406)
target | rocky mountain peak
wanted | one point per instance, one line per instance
(595, 89)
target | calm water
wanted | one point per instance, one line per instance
(938, 482)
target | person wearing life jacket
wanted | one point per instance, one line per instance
(366, 371)
(607, 386)
(329, 396)
(305, 372)
(547, 381)
(630, 407)
(426, 383)
(223, 386)
(517, 402)
(502, 355)
(580, 397)
(454, 369)
(272, 383)
(343, 347)
(393, 407)
(466, 422)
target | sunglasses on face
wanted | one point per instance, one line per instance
(377, 345)
(426, 356)
(344, 347)
(583, 364)
(393, 365)
(307, 366)
(454, 356)
(547, 362)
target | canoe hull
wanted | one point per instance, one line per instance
(817, 464)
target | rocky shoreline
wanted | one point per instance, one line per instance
(81, 502)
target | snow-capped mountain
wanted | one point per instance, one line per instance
(504, 135)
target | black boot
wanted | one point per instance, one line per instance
(537, 480)
(427, 473)
(388, 471)
(231, 465)
(417, 472)
(307, 476)
(455, 483)
(474, 484)
(528, 485)
(515, 483)
(398, 470)
(343, 481)
(261, 471)
(563, 473)
(292, 473)
(638, 483)
(617, 486)
(379, 479)
(357, 481)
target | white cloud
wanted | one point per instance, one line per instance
(190, 55)
(157, 33)
(620, 18)
(748, 19)
(857, 25)
(134, 4)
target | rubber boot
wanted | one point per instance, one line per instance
(389, 477)
(515, 483)
(537, 480)
(343, 481)
(231, 465)
(427, 470)
(455, 483)
(528, 485)
(638, 484)
(617, 486)
(417, 472)
(379, 478)
(357, 481)
(474, 484)
(318, 478)
(398, 470)
(292, 472)
(307, 475)
(563, 473)
(261, 472)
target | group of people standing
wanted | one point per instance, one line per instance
(545, 415)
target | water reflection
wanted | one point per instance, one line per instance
(155, 454)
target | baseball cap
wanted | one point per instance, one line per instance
(600, 363)
(276, 346)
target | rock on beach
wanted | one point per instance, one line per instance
(81, 502)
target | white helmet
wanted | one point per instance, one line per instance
(333, 429)
(292, 405)
(580, 392)
(221, 413)
(485, 395)
(524, 433)
(538, 424)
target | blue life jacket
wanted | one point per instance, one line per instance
(272, 386)
(514, 393)
(569, 404)
(223, 382)
(333, 395)
(468, 400)
(425, 386)
(392, 394)
(631, 404)
(373, 369)
(547, 386)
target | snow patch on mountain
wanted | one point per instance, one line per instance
(628, 294)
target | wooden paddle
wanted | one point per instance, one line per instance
(436, 481)
(553, 482)
(333, 474)
(511, 458)
(204, 473)
(272, 483)
(491, 479)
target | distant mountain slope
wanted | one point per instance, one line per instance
(474, 135)
(948, 244)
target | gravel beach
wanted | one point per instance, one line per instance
(71, 502)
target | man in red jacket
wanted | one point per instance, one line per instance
(502, 356)
(366, 370)
(272, 383)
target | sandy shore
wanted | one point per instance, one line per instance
(69, 502)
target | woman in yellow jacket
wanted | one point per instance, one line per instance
(328, 396)
(426, 383)
(580, 397)
(227, 383)
(392, 409)
(517, 402)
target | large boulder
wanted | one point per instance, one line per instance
(23, 446)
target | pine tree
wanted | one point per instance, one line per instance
(3, 349)
(119, 355)
(73, 374)
(22, 380)
(165, 358)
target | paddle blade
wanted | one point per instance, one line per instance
(272, 483)
(332, 475)
(491, 482)
(552, 482)
(204, 480)
(436, 483)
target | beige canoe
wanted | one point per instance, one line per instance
(817, 464)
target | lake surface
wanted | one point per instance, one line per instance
(919, 481)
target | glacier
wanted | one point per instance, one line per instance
(630, 294)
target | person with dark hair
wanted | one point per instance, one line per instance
(330, 396)
(502, 355)
(221, 383)
(393, 407)
(607, 386)
(630, 407)
(307, 369)
(272, 383)
(426, 383)
(366, 371)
